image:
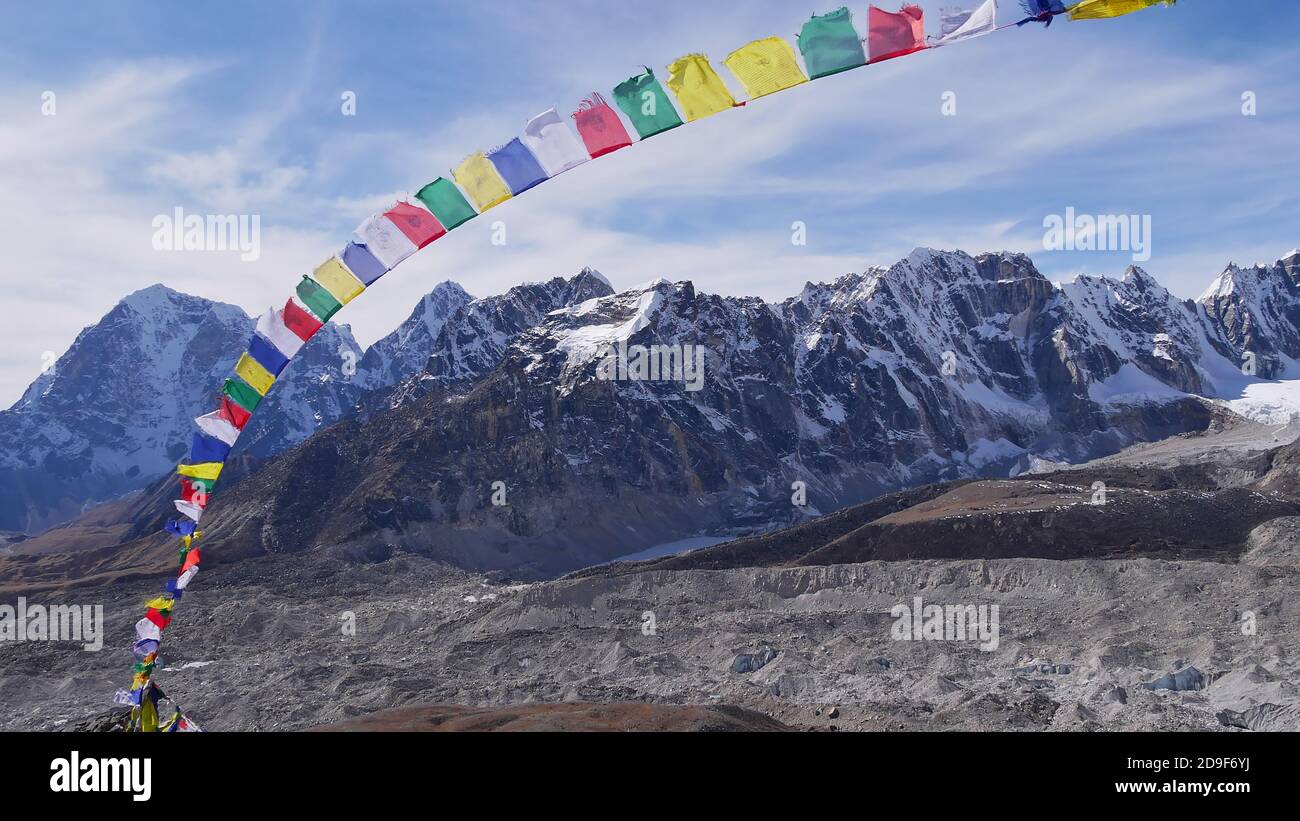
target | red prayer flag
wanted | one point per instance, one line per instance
(419, 225)
(157, 618)
(895, 34)
(233, 414)
(195, 495)
(600, 128)
(191, 559)
(303, 324)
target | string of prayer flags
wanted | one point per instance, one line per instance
(257, 377)
(894, 34)
(643, 99)
(829, 44)
(517, 166)
(319, 301)
(698, 87)
(967, 25)
(600, 128)
(479, 177)
(1043, 11)
(553, 144)
(446, 203)
(1104, 9)
(765, 67)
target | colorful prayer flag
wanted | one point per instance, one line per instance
(830, 44)
(698, 87)
(1104, 9)
(271, 327)
(203, 470)
(267, 355)
(517, 166)
(967, 25)
(147, 630)
(195, 491)
(242, 395)
(445, 202)
(338, 280)
(481, 181)
(765, 67)
(553, 144)
(385, 241)
(419, 226)
(219, 426)
(362, 263)
(300, 321)
(893, 34)
(187, 576)
(191, 560)
(204, 448)
(257, 377)
(1041, 10)
(600, 128)
(646, 104)
(189, 510)
(318, 300)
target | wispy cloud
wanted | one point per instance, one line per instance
(1105, 117)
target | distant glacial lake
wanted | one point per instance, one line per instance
(671, 548)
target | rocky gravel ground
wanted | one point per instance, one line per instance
(261, 645)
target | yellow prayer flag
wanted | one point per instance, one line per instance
(1103, 9)
(159, 603)
(203, 470)
(252, 372)
(338, 280)
(765, 66)
(481, 181)
(698, 87)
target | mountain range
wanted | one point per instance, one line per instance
(482, 431)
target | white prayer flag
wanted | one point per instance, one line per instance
(385, 241)
(553, 144)
(979, 22)
(271, 326)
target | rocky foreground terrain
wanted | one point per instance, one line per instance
(1171, 629)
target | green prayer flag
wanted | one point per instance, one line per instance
(242, 395)
(646, 104)
(830, 44)
(444, 199)
(320, 301)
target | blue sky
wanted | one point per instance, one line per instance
(235, 108)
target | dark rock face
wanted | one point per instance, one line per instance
(939, 367)
(1257, 310)
(116, 410)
